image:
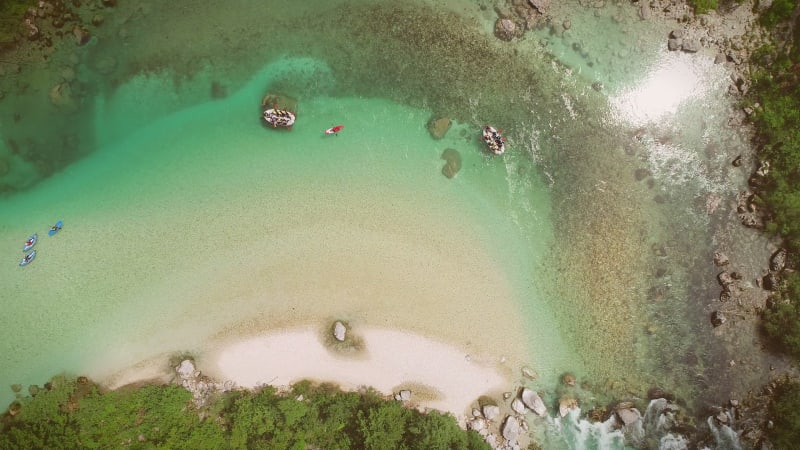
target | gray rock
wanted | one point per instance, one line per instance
(725, 279)
(511, 428)
(186, 369)
(529, 373)
(540, 5)
(644, 11)
(477, 424)
(771, 281)
(339, 331)
(690, 46)
(505, 29)
(674, 44)
(490, 412)
(720, 259)
(403, 396)
(533, 402)
(717, 319)
(778, 260)
(628, 416)
(518, 406)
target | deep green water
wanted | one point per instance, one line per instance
(610, 275)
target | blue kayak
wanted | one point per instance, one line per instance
(27, 259)
(56, 228)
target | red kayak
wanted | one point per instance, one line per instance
(334, 130)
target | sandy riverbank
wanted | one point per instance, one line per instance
(439, 375)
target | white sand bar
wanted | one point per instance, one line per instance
(391, 360)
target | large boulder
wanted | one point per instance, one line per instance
(452, 162)
(186, 369)
(438, 127)
(511, 428)
(533, 402)
(518, 406)
(490, 412)
(778, 260)
(628, 415)
(339, 331)
(771, 281)
(505, 29)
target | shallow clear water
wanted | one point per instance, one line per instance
(186, 219)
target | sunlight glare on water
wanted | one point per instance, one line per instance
(672, 81)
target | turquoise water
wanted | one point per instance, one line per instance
(186, 219)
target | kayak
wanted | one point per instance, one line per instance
(494, 141)
(334, 130)
(55, 228)
(30, 242)
(27, 259)
(279, 118)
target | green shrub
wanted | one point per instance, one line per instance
(704, 6)
(12, 13)
(779, 11)
(785, 414)
(78, 415)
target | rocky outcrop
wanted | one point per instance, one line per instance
(201, 388)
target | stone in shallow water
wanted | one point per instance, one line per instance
(438, 127)
(452, 164)
(339, 331)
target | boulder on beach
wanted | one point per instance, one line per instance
(339, 331)
(490, 412)
(533, 401)
(518, 406)
(185, 369)
(511, 428)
